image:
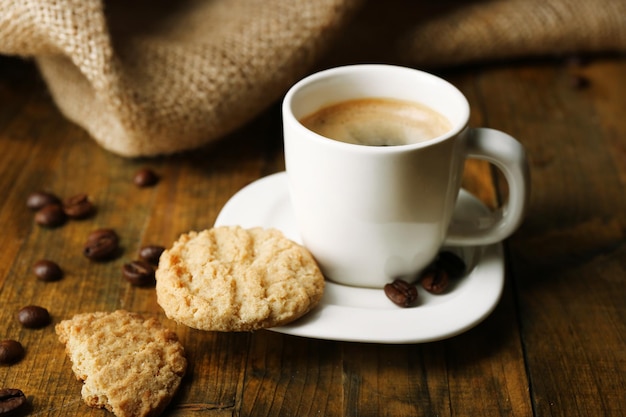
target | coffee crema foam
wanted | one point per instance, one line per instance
(377, 122)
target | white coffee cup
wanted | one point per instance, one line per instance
(370, 214)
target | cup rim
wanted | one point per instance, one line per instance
(289, 117)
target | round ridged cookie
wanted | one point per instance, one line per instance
(234, 279)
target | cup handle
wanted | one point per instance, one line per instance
(509, 156)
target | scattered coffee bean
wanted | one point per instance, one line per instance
(579, 82)
(101, 245)
(33, 317)
(139, 273)
(40, 199)
(401, 292)
(145, 177)
(151, 253)
(436, 277)
(99, 233)
(46, 270)
(11, 351)
(435, 280)
(11, 399)
(78, 207)
(51, 215)
(451, 263)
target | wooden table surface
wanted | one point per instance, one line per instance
(554, 346)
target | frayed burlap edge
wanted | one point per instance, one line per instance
(505, 29)
(206, 70)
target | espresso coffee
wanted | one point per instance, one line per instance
(377, 122)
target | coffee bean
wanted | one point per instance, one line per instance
(145, 177)
(51, 215)
(33, 317)
(102, 244)
(11, 351)
(39, 199)
(97, 234)
(435, 280)
(139, 273)
(46, 270)
(11, 399)
(451, 263)
(579, 82)
(151, 253)
(78, 207)
(401, 292)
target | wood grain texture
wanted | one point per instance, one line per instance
(554, 346)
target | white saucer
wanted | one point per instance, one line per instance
(367, 315)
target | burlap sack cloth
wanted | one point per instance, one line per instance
(155, 77)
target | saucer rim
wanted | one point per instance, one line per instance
(333, 322)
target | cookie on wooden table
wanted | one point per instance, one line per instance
(130, 365)
(233, 279)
